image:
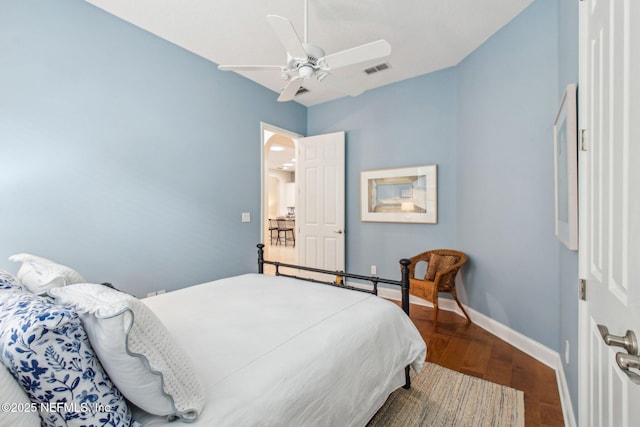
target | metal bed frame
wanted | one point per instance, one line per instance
(340, 276)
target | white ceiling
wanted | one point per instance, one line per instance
(425, 35)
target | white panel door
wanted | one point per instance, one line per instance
(609, 210)
(320, 214)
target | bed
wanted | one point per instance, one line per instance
(249, 350)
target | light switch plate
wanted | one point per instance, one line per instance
(246, 217)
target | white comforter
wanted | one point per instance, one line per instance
(273, 351)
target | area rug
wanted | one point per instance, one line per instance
(442, 397)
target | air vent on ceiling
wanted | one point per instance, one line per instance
(377, 68)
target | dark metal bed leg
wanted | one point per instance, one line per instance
(260, 258)
(405, 306)
(407, 378)
(405, 284)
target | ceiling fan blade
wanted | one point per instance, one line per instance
(355, 55)
(290, 90)
(288, 36)
(251, 68)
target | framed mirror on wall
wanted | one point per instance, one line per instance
(565, 143)
(407, 194)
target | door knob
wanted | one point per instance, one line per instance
(628, 341)
(628, 361)
(338, 231)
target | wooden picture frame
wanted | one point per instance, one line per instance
(565, 143)
(407, 194)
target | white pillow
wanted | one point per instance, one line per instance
(39, 274)
(20, 412)
(136, 350)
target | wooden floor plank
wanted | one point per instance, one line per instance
(476, 359)
(499, 372)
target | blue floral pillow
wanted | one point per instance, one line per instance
(8, 281)
(47, 350)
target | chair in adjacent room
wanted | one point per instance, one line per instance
(273, 229)
(442, 267)
(287, 227)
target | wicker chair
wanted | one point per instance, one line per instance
(443, 266)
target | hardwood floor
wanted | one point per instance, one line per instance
(469, 349)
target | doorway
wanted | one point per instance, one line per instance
(278, 194)
(318, 207)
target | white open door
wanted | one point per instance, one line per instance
(320, 217)
(610, 212)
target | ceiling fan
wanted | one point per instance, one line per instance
(306, 61)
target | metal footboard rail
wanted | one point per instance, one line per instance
(403, 282)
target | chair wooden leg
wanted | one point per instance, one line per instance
(462, 308)
(435, 313)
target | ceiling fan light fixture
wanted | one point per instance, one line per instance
(305, 71)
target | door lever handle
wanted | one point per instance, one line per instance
(338, 231)
(628, 341)
(626, 362)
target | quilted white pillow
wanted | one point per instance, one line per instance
(39, 274)
(136, 350)
(20, 413)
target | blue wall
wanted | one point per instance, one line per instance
(124, 156)
(409, 123)
(507, 97)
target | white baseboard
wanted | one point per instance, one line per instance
(533, 348)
